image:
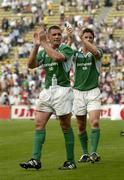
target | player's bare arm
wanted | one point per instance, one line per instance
(32, 57)
(56, 56)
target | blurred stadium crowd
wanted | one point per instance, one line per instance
(18, 84)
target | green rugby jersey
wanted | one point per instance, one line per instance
(86, 68)
(60, 69)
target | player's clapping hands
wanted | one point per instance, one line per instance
(69, 31)
(39, 37)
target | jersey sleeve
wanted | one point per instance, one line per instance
(66, 51)
(100, 51)
(75, 55)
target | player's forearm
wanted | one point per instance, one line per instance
(32, 58)
(56, 56)
(91, 47)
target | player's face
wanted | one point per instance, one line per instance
(88, 36)
(55, 37)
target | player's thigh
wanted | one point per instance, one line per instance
(94, 117)
(41, 119)
(81, 123)
(65, 121)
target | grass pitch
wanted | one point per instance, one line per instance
(16, 140)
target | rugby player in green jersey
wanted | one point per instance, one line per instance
(57, 96)
(87, 96)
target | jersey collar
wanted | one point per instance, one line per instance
(81, 50)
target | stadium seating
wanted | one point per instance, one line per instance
(118, 33)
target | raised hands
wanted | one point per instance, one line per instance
(69, 31)
(39, 36)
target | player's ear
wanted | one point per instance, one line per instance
(47, 38)
(80, 34)
(35, 35)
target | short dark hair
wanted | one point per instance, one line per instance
(53, 27)
(88, 30)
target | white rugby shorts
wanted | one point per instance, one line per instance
(56, 99)
(86, 101)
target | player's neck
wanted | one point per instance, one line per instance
(84, 50)
(55, 46)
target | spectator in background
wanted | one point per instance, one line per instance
(5, 24)
(50, 7)
(4, 99)
(108, 3)
(106, 39)
(6, 4)
(62, 11)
